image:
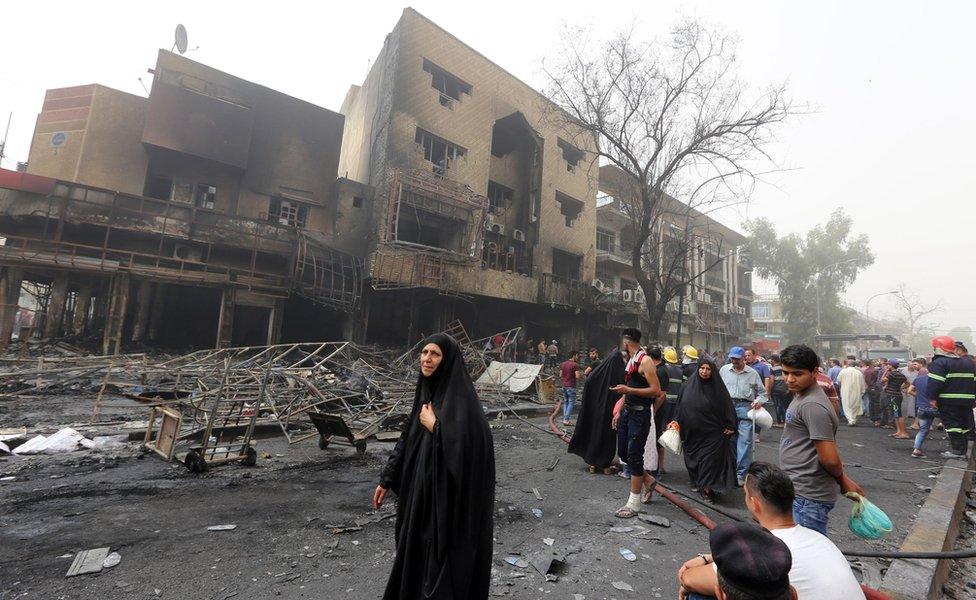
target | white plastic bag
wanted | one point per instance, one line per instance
(761, 416)
(671, 438)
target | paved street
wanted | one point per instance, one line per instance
(156, 515)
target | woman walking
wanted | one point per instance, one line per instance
(707, 423)
(443, 472)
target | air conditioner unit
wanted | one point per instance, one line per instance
(686, 309)
(638, 295)
(518, 235)
(628, 295)
(498, 228)
(673, 306)
(185, 252)
(489, 221)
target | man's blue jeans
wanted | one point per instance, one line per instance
(811, 514)
(745, 441)
(569, 398)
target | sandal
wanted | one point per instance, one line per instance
(647, 495)
(591, 470)
(610, 471)
(918, 454)
(625, 512)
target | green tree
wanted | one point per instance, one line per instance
(821, 264)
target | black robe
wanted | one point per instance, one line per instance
(593, 440)
(445, 486)
(704, 411)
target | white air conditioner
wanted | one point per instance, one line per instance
(741, 310)
(498, 228)
(489, 221)
(518, 235)
(185, 252)
(638, 295)
(673, 306)
(686, 309)
(628, 295)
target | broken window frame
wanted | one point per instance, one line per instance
(449, 86)
(438, 151)
(205, 196)
(287, 212)
(571, 154)
(562, 271)
(569, 207)
(500, 197)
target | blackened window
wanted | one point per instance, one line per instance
(499, 197)
(438, 151)
(569, 207)
(205, 195)
(449, 86)
(288, 212)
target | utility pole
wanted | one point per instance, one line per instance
(3, 144)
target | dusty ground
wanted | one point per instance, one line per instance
(156, 515)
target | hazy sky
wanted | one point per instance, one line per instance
(893, 83)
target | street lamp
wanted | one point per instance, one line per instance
(867, 306)
(818, 273)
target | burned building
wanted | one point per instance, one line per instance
(200, 216)
(484, 211)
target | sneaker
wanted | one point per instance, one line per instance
(950, 454)
(918, 453)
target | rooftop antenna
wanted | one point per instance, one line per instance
(180, 40)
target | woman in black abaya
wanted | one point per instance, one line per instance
(707, 423)
(594, 439)
(443, 472)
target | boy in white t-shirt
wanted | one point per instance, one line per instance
(819, 570)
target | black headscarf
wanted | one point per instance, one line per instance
(705, 405)
(594, 440)
(445, 483)
(704, 412)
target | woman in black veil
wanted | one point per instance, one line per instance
(594, 439)
(443, 473)
(707, 422)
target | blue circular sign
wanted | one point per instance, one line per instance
(58, 139)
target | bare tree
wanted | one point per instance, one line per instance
(914, 312)
(672, 120)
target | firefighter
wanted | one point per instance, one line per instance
(952, 383)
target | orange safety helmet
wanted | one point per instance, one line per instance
(944, 343)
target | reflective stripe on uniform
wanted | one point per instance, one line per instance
(956, 430)
(959, 396)
(676, 380)
(936, 377)
(961, 375)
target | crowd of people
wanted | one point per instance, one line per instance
(442, 469)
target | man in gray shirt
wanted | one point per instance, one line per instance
(748, 391)
(808, 449)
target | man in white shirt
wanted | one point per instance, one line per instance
(819, 571)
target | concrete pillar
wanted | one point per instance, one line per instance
(274, 321)
(82, 303)
(10, 281)
(143, 299)
(115, 316)
(55, 306)
(158, 311)
(225, 323)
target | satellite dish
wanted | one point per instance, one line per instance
(181, 38)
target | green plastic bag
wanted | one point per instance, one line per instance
(867, 520)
